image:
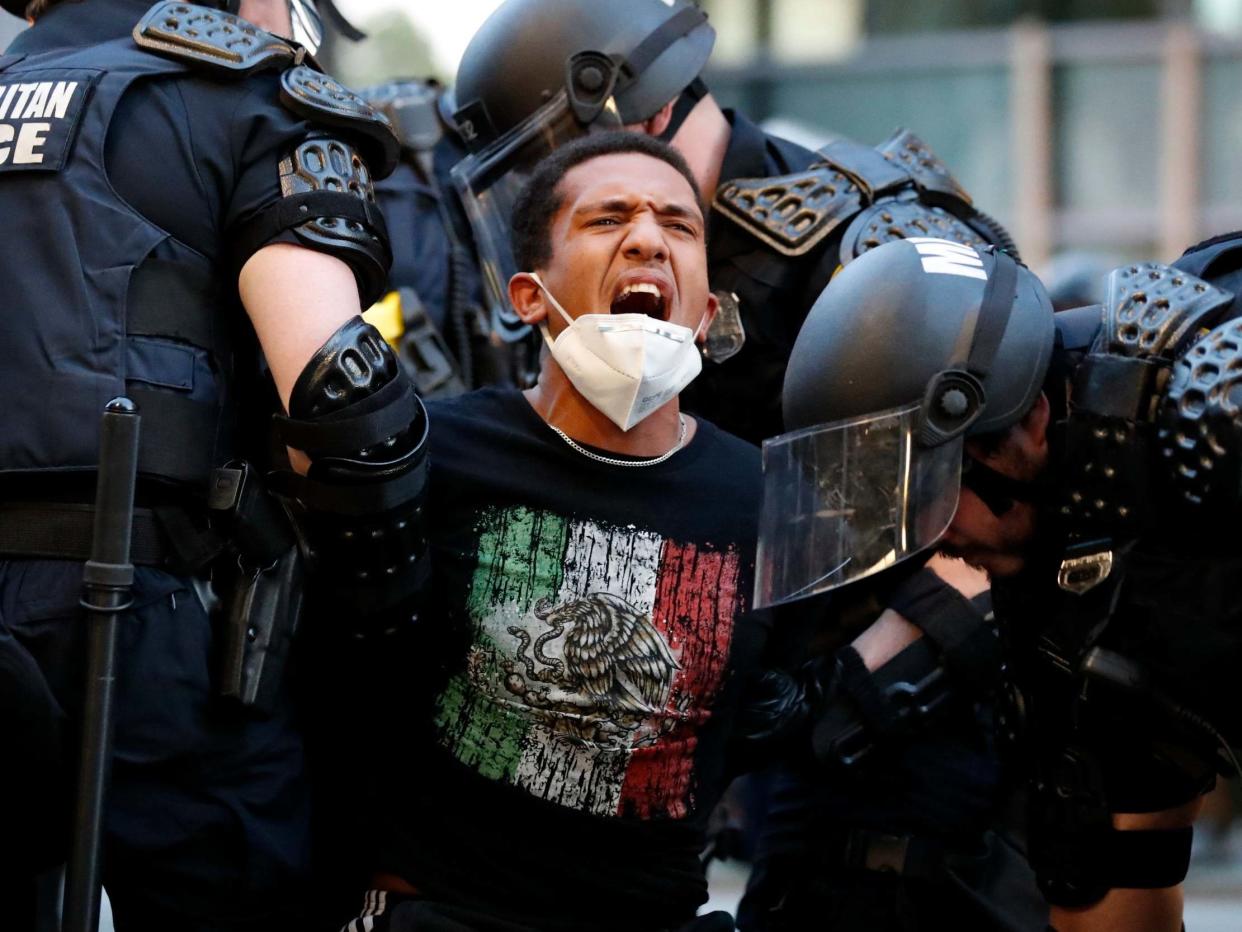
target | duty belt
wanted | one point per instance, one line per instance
(63, 531)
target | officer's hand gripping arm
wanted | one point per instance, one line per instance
(888, 682)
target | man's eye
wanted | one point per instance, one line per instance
(682, 227)
(603, 222)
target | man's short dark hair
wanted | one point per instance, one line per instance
(539, 201)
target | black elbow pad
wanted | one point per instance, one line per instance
(354, 412)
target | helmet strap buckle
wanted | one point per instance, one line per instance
(953, 401)
(590, 79)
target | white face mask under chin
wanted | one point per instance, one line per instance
(625, 365)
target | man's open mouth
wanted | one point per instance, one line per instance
(640, 298)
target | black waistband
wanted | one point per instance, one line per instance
(63, 531)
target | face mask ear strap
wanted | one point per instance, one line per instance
(700, 330)
(547, 337)
(552, 299)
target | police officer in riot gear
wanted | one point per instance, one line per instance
(193, 226)
(1088, 461)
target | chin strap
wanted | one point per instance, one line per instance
(687, 100)
(338, 20)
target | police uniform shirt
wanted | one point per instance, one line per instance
(196, 157)
(774, 293)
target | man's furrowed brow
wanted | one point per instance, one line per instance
(625, 205)
(610, 205)
(682, 211)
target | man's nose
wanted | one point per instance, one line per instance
(645, 239)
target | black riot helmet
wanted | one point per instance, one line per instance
(911, 348)
(539, 73)
(639, 54)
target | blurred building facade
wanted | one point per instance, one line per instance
(1107, 126)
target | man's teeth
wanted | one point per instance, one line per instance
(640, 288)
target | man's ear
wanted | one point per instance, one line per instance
(657, 123)
(713, 308)
(527, 299)
(1027, 441)
(1035, 426)
(1036, 421)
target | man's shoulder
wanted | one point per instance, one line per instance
(730, 443)
(485, 413)
(726, 458)
(481, 402)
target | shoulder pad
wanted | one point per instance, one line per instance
(929, 174)
(1200, 428)
(900, 219)
(1154, 310)
(873, 172)
(314, 96)
(211, 39)
(791, 213)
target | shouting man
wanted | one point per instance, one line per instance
(561, 742)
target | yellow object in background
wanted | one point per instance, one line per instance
(386, 317)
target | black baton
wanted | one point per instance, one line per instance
(106, 583)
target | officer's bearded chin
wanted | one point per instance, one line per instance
(996, 544)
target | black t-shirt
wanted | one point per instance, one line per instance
(585, 643)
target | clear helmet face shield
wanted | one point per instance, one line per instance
(489, 182)
(845, 500)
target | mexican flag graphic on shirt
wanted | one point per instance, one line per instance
(597, 654)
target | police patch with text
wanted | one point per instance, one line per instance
(39, 116)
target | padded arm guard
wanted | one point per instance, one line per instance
(1200, 426)
(328, 202)
(355, 414)
(867, 709)
(1152, 314)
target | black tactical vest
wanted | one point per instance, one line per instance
(87, 313)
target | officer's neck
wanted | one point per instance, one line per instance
(555, 399)
(703, 140)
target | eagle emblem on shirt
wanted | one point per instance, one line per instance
(614, 668)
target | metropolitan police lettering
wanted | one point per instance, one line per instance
(39, 114)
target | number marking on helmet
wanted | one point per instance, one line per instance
(944, 257)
